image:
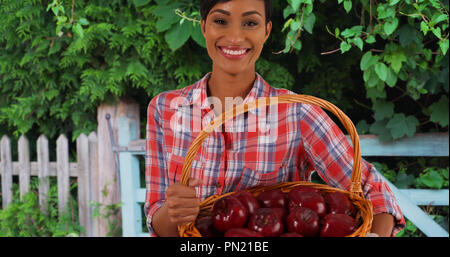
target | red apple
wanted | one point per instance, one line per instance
(311, 200)
(267, 222)
(205, 226)
(338, 202)
(228, 212)
(337, 225)
(291, 234)
(297, 189)
(303, 221)
(281, 213)
(274, 198)
(248, 200)
(241, 232)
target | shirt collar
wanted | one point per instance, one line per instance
(198, 95)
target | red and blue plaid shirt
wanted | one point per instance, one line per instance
(246, 153)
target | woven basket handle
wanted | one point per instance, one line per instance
(355, 186)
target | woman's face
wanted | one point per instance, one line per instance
(235, 32)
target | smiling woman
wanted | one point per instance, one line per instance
(235, 32)
(296, 139)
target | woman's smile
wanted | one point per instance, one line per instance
(233, 53)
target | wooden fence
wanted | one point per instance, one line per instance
(83, 170)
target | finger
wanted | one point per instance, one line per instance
(176, 203)
(181, 191)
(185, 220)
(193, 182)
(183, 212)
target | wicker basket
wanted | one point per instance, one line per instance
(355, 194)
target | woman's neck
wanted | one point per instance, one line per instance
(222, 85)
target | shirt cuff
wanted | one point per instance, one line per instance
(149, 212)
(382, 203)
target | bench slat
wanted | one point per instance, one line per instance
(426, 144)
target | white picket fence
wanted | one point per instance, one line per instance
(83, 170)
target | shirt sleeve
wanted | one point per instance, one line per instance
(331, 154)
(155, 164)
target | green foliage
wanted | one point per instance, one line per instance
(419, 174)
(60, 59)
(24, 218)
(109, 213)
(402, 45)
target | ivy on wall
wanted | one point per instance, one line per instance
(385, 62)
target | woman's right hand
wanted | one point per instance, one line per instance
(182, 202)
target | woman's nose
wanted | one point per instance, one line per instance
(235, 35)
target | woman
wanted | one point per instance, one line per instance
(302, 138)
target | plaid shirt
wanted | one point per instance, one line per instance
(278, 143)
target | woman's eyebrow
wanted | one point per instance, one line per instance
(228, 13)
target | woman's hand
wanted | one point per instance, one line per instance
(182, 202)
(182, 206)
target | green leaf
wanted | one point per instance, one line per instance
(443, 44)
(358, 42)
(166, 17)
(347, 5)
(83, 21)
(295, 4)
(439, 111)
(400, 125)
(437, 32)
(379, 128)
(288, 11)
(393, 2)
(391, 78)
(309, 23)
(345, 46)
(368, 60)
(370, 39)
(390, 26)
(385, 11)
(382, 70)
(139, 3)
(373, 93)
(362, 127)
(78, 30)
(404, 180)
(297, 45)
(178, 35)
(424, 27)
(198, 37)
(295, 25)
(431, 179)
(383, 109)
(396, 60)
(407, 34)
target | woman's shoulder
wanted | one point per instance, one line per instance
(172, 98)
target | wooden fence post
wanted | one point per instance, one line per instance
(62, 172)
(7, 168)
(24, 166)
(43, 171)
(108, 187)
(93, 180)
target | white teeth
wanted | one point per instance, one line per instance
(232, 52)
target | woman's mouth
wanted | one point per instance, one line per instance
(233, 52)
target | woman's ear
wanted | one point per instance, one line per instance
(202, 25)
(268, 30)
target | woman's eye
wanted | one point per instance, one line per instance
(251, 23)
(220, 22)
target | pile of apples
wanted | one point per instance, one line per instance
(302, 212)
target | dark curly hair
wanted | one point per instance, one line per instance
(207, 5)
